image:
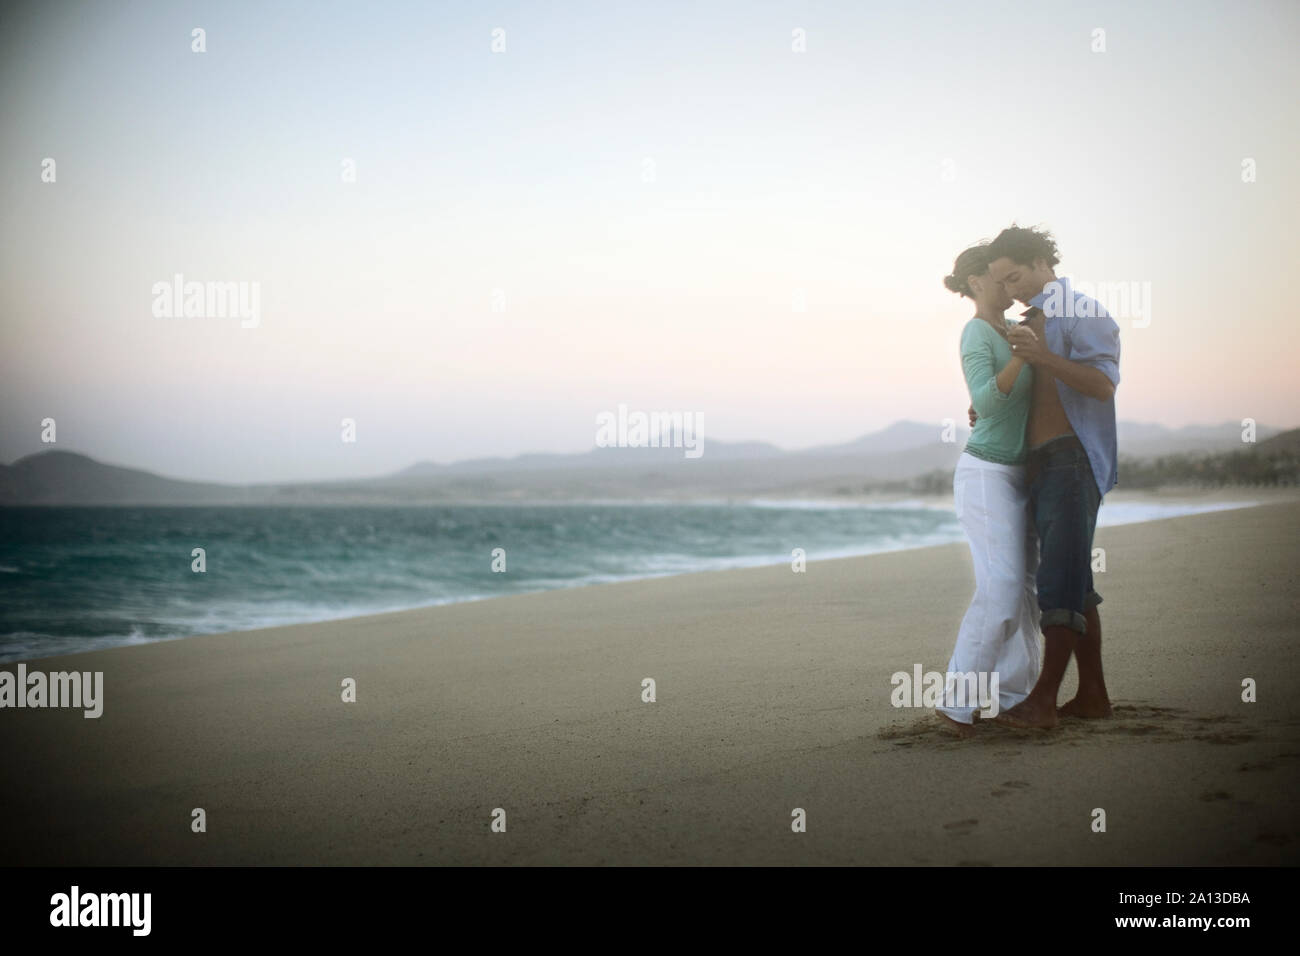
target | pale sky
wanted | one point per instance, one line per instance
(851, 174)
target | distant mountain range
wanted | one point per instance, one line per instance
(904, 450)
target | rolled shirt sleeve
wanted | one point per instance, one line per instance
(1094, 340)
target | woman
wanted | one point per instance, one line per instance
(999, 633)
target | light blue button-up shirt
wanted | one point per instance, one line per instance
(1078, 327)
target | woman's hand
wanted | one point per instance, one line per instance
(1025, 344)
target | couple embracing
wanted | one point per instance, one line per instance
(1042, 453)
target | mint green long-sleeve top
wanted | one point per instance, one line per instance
(999, 433)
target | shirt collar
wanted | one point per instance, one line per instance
(1036, 303)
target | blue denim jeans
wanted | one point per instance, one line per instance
(1063, 502)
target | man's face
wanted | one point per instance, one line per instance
(1020, 282)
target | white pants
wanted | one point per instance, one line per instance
(999, 633)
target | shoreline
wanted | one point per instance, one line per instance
(811, 497)
(937, 502)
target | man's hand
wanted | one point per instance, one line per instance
(971, 411)
(1025, 344)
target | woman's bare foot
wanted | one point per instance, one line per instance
(955, 726)
(1028, 714)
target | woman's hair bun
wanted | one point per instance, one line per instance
(972, 262)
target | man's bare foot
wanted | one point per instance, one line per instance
(955, 726)
(1028, 714)
(1086, 705)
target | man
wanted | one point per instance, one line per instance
(1073, 345)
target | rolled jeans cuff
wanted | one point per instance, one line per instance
(1064, 617)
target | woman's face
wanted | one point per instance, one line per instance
(989, 293)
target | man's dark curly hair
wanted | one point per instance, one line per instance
(1022, 246)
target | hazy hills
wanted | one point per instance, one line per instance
(875, 461)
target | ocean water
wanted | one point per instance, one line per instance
(76, 579)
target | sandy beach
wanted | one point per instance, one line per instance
(773, 693)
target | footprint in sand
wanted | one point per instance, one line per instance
(1211, 795)
(1266, 764)
(1009, 787)
(1173, 724)
(1145, 723)
(1226, 737)
(961, 827)
(1249, 767)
